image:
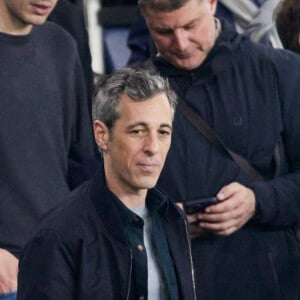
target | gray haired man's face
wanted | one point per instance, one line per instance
(135, 149)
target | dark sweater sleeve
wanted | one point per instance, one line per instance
(46, 270)
(82, 156)
(278, 200)
(82, 131)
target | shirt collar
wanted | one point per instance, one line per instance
(155, 202)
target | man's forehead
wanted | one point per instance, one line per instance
(166, 26)
(171, 20)
(155, 110)
(160, 97)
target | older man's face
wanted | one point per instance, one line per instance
(186, 35)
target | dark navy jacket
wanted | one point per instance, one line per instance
(250, 95)
(82, 252)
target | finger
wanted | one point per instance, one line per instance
(227, 232)
(220, 226)
(192, 218)
(228, 205)
(235, 213)
(228, 191)
(180, 205)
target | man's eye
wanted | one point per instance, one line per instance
(164, 132)
(164, 32)
(189, 26)
(138, 131)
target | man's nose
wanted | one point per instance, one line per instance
(151, 145)
(181, 39)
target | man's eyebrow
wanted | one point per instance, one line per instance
(144, 124)
(166, 125)
(190, 23)
(159, 28)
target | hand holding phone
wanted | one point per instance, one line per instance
(198, 205)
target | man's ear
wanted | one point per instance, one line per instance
(213, 5)
(101, 134)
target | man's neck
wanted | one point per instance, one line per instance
(5, 28)
(129, 196)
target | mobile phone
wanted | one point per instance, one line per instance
(198, 205)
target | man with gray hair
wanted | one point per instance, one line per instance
(117, 237)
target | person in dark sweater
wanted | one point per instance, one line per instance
(43, 118)
(245, 246)
(117, 236)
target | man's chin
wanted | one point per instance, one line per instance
(37, 20)
(148, 183)
(188, 63)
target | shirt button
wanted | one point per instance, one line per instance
(140, 248)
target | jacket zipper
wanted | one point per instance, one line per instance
(130, 275)
(190, 256)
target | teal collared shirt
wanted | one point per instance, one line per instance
(156, 204)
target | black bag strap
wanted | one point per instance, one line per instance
(212, 137)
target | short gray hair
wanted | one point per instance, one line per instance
(161, 5)
(137, 84)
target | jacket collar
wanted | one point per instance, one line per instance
(107, 211)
